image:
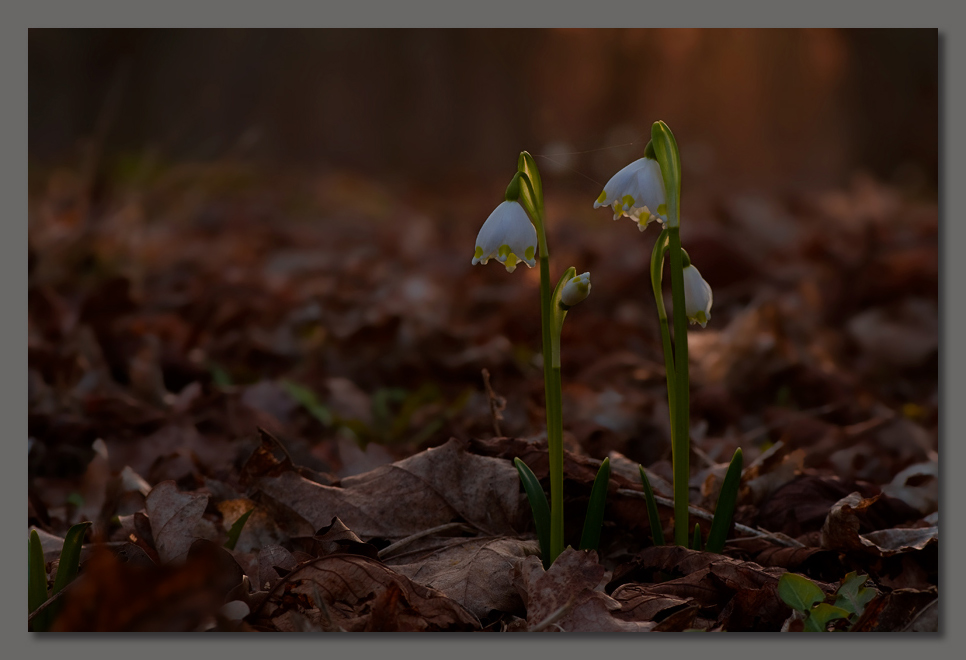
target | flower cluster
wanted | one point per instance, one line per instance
(637, 192)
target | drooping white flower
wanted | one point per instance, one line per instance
(636, 192)
(576, 289)
(697, 296)
(507, 235)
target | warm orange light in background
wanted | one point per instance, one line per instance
(755, 106)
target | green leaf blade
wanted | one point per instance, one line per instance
(69, 564)
(236, 529)
(539, 506)
(727, 500)
(653, 519)
(594, 520)
(37, 593)
(799, 592)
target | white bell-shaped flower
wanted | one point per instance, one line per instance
(507, 235)
(636, 192)
(575, 290)
(697, 296)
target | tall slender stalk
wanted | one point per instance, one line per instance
(668, 156)
(680, 435)
(657, 274)
(532, 197)
(551, 384)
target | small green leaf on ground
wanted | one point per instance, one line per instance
(820, 616)
(799, 592)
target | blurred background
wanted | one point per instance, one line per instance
(242, 228)
(751, 106)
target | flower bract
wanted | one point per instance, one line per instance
(576, 289)
(697, 296)
(636, 192)
(507, 235)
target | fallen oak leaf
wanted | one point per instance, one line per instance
(174, 518)
(475, 572)
(565, 596)
(431, 488)
(356, 593)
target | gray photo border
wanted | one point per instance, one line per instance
(20, 15)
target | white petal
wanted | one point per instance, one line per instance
(648, 187)
(616, 188)
(508, 225)
(636, 192)
(697, 296)
(521, 235)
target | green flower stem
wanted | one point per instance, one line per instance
(555, 417)
(679, 424)
(657, 275)
(668, 156)
(551, 384)
(551, 319)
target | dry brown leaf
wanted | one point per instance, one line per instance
(802, 505)
(565, 598)
(917, 486)
(475, 572)
(638, 604)
(268, 559)
(431, 488)
(741, 595)
(356, 593)
(896, 610)
(334, 539)
(841, 531)
(174, 519)
(259, 531)
(897, 540)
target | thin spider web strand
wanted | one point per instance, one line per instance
(578, 153)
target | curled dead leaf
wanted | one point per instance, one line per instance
(841, 531)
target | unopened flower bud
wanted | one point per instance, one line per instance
(697, 296)
(575, 290)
